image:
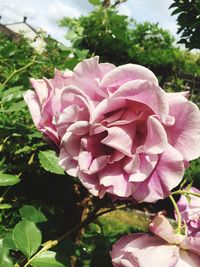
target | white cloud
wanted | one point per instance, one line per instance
(58, 10)
(124, 10)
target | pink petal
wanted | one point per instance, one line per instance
(86, 76)
(60, 80)
(146, 164)
(161, 227)
(184, 135)
(105, 68)
(32, 102)
(68, 163)
(125, 73)
(90, 182)
(167, 174)
(41, 89)
(89, 165)
(146, 93)
(135, 249)
(121, 138)
(71, 144)
(79, 127)
(156, 140)
(73, 96)
(115, 180)
(106, 106)
(188, 259)
(192, 244)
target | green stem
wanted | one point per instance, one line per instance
(19, 70)
(181, 192)
(52, 243)
(178, 230)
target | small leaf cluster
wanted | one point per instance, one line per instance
(188, 19)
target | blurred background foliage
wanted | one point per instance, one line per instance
(37, 196)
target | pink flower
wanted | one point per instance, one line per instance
(190, 211)
(120, 133)
(164, 249)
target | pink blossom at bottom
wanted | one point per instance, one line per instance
(163, 249)
(190, 211)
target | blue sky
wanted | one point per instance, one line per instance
(46, 13)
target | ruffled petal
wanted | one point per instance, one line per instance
(146, 93)
(129, 72)
(86, 76)
(115, 181)
(161, 227)
(120, 138)
(167, 174)
(191, 244)
(156, 140)
(184, 135)
(32, 102)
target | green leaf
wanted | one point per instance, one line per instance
(32, 214)
(8, 241)
(5, 261)
(49, 161)
(15, 107)
(27, 237)
(46, 259)
(1, 249)
(5, 206)
(95, 2)
(8, 179)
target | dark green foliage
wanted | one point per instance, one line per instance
(188, 19)
(120, 40)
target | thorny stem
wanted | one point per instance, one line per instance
(52, 243)
(178, 229)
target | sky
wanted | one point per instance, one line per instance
(45, 14)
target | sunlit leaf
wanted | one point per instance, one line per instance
(32, 214)
(8, 179)
(47, 259)
(49, 161)
(27, 237)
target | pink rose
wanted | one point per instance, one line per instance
(121, 134)
(190, 211)
(164, 249)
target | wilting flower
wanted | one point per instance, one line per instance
(164, 249)
(190, 211)
(118, 131)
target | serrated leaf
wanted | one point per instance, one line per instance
(8, 179)
(27, 237)
(49, 161)
(46, 259)
(32, 214)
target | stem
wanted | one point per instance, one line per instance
(178, 230)
(52, 243)
(185, 192)
(19, 70)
